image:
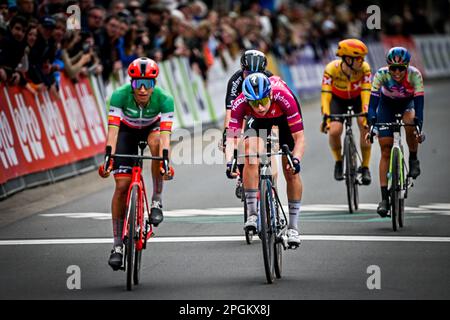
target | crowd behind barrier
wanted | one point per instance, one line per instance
(56, 81)
(44, 138)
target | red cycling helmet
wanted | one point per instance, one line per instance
(143, 68)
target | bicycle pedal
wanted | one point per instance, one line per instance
(294, 246)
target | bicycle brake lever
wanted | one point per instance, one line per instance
(288, 154)
(165, 154)
(234, 162)
(371, 134)
(108, 151)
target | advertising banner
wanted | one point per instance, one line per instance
(39, 131)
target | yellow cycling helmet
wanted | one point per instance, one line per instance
(351, 48)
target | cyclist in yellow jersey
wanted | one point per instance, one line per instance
(346, 82)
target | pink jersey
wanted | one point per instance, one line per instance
(283, 104)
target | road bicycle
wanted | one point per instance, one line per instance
(399, 180)
(271, 223)
(273, 140)
(136, 231)
(351, 157)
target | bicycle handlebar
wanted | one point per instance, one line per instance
(284, 151)
(109, 156)
(344, 115)
(394, 124)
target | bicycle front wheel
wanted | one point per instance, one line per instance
(349, 174)
(395, 188)
(267, 234)
(139, 240)
(278, 246)
(129, 246)
(137, 266)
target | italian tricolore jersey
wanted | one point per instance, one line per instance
(124, 109)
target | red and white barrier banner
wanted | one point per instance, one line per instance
(40, 132)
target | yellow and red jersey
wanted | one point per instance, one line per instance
(336, 82)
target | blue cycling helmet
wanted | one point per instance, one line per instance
(398, 56)
(256, 86)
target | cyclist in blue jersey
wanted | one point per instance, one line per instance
(396, 88)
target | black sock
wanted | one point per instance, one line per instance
(413, 155)
(384, 193)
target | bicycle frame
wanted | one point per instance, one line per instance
(265, 176)
(136, 231)
(350, 158)
(397, 144)
(398, 183)
(348, 123)
(137, 180)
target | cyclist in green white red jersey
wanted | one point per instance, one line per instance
(139, 111)
(397, 88)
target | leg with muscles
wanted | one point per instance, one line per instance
(294, 194)
(252, 145)
(365, 151)
(386, 146)
(411, 140)
(156, 215)
(118, 208)
(335, 133)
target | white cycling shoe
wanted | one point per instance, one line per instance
(250, 224)
(293, 238)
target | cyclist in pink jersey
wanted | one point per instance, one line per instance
(268, 102)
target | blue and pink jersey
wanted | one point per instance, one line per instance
(409, 89)
(411, 86)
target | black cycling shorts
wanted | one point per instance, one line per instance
(128, 143)
(339, 106)
(262, 127)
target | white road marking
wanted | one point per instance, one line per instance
(440, 209)
(228, 239)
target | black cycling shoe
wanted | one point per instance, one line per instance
(338, 171)
(156, 214)
(366, 179)
(383, 208)
(115, 259)
(414, 168)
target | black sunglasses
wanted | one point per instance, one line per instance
(395, 68)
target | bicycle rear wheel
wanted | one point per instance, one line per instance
(129, 247)
(349, 181)
(395, 188)
(267, 234)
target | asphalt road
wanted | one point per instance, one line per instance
(45, 231)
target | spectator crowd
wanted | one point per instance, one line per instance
(39, 39)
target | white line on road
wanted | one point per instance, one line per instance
(434, 208)
(228, 238)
